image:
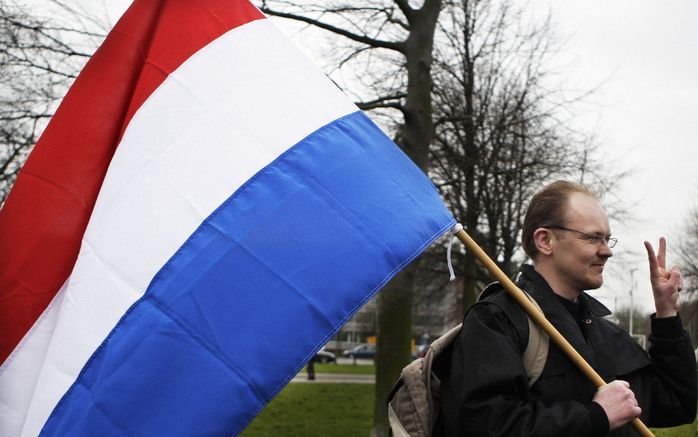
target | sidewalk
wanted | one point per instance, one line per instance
(335, 378)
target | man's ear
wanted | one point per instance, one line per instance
(543, 240)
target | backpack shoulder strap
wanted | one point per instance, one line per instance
(536, 353)
(434, 350)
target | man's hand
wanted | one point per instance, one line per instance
(666, 285)
(619, 403)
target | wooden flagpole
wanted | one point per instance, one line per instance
(540, 319)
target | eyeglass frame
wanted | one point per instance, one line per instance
(596, 240)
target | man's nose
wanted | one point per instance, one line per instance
(605, 251)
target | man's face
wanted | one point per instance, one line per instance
(578, 261)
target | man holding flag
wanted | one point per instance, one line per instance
(566, 233)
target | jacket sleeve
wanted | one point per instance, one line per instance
(486, 393)
(672, 384)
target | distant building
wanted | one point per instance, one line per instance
(435, 311)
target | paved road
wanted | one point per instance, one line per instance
(336, 378)
(359, 361)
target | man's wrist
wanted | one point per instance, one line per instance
(667, 327)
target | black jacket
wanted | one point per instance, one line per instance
(486, 392)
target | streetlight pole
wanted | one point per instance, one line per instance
(632, 303)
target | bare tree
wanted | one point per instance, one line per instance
(39, 59)
(688, 256)
(688, 252)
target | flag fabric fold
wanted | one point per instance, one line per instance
(239, 209)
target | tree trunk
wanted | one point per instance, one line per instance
(471, 159)
(395, 307)
(469, 281)
(393, 343)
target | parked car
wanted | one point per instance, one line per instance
(361, 351)
(420, 350)
(323, 356)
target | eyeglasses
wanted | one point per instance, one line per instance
(597, 240)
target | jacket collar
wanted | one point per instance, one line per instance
(534, 284)
(594, 307)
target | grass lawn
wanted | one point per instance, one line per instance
(307, 410)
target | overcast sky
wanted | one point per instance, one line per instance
(643, 53)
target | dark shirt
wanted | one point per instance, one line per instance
(575, 310)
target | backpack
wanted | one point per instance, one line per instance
(414, 401)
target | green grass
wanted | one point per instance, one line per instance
(345, 368)
(307, 410)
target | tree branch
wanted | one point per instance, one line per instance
(405, 8)
(373, 42)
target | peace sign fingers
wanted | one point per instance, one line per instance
(665, 284)
(657, 262)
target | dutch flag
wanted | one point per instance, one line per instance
(204, 211)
